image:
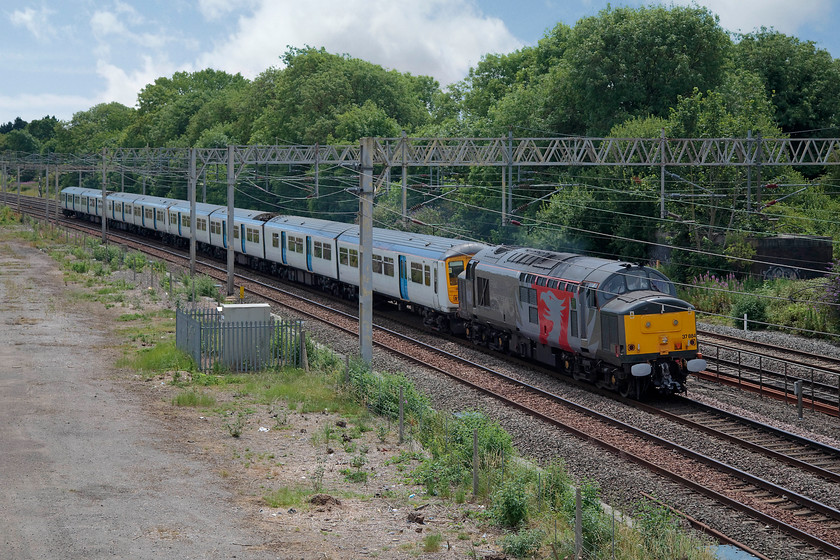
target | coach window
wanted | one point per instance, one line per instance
(427, 275)
(343, 255)
(534, 315)
(388, 266)
(376, 263)
(326, 251)
(354, 258)
(275, 238)
(417, 273)
(185, 220)
(235, 232)
(201, 224)
(160, 215)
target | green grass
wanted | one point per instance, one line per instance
(287, 496)
(195, 399)
(158, 359)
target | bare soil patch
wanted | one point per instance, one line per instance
(97, 462)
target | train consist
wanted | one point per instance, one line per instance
(613, 323)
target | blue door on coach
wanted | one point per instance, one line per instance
(403, 278)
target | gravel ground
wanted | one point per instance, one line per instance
(622, 483)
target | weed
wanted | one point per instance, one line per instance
(286, 496)
(193, 398)
(523, 544)
(236, 425)
(351, 475)
(432, 542)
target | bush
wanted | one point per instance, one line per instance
(755, 309)
(523, 544)
(510, 503)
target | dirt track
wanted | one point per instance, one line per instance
(85, 473)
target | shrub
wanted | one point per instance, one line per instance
(714, 294)
(755, 308)
(523, 544)
(510, 503)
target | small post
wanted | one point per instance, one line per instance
(797, 390)
(347, 369)
(745, 322)
(304, 359)
(401, 414)
(578, 526)
(475, 462)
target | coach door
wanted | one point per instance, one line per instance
(224, 234)
(403, 278)
(283, 246)
(309, 253)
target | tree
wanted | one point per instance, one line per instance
(304, 100)
(629, 62)
(801, 80)
(43, 129)
(100, 126)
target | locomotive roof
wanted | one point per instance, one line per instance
(568, 266)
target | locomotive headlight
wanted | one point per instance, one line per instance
(676, 322)
(664, 340)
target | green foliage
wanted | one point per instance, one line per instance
(161, 357)
(523, 544)
(108, 254)
(286, 496)
(8, 217)
(799, 78)
(714, 294)
(381, 392)
(628, 62)
(194, 398)
(431, 542)
(755, 308)
(510, 503)
(199, 286)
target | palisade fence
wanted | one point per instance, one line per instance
(237, 346)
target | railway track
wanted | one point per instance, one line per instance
(806, 519)
(772, 371)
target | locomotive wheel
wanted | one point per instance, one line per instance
(627, 387)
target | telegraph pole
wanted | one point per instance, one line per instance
(231, 178)
(366, 249)
(192, 189)
(104, 195)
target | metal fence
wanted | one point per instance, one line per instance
(234, 346)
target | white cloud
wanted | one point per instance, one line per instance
(123, 87)
(36, 106)
(785, 16)
(36, 21)
(440, 38)
(214, 9)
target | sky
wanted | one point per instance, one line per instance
(58, 57)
